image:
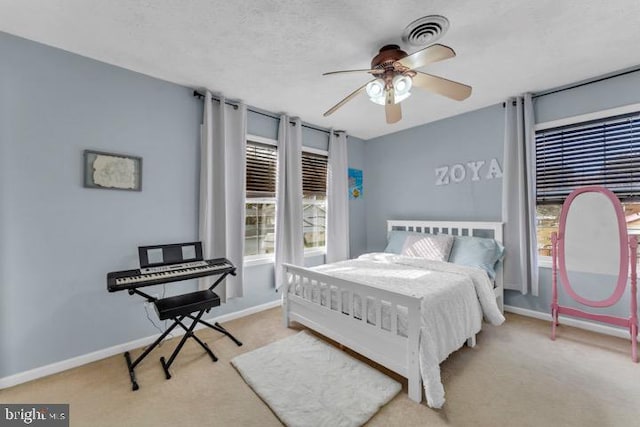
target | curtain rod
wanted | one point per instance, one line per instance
(265, 113)
(588, 82)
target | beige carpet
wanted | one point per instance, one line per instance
(324, 386)
(515, 376)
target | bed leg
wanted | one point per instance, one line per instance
(285, 310)
(471, 341)
(415, 389)
(413, 361)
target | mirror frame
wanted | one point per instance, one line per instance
(623, 271)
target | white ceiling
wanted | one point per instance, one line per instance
(271, 54)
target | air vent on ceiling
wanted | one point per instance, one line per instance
(426, 30)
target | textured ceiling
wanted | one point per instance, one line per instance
(271, 54)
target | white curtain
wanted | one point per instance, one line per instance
(337, 199)
(289, 234)
(222, 189)
(518, 196)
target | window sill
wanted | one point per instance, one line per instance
(315, 252)
(545, 262)
(253, 260)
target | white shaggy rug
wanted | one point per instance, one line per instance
(307, 382)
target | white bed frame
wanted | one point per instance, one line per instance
(398, 353)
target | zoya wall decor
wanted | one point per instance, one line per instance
(474, 171)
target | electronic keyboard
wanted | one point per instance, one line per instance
(131, 279)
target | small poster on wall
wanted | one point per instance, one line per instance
(112, 171)
(355, 184)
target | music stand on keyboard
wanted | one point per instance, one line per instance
(192, 305)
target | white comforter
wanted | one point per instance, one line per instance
(454, 299)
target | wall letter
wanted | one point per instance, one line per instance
(475, 168)
(458, 173)
(442, 176)
(494, 170)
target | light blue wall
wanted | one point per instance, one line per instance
(261, 125)
(357, 207)
(58, 240)
(400, 174)
(598, 96)
(401, 179)
(4, 132)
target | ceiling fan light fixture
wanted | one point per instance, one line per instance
(380, 100)
(402, 85)
(375, 89)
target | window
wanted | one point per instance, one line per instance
(603, 152)
(260, 203)
(314, 194)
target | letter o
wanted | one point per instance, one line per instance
(457, 173)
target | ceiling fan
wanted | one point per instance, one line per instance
(395, 74)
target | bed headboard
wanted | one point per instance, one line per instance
(456, 228)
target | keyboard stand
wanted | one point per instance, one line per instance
(177, 308)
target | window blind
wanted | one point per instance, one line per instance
(262, 161)
(314, 174)
(603, 152)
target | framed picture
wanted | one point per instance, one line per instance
(112, 171)
(355, 184)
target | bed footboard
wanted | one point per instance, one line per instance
(352, 315)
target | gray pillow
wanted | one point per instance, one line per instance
(435, 247)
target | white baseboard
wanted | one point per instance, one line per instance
(74, 362)
(570, 321)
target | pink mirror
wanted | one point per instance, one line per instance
(593, 239)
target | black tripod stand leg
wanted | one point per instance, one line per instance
(218, 328)
(167, 365)
(132, 373)
(132, 365)
(165, 368)
(205, 346)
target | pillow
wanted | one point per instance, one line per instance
(396, 240)
(435, 247)
(477, 252)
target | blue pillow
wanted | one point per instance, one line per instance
(396, 239)
(477, 252)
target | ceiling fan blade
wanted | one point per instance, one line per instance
(442, 86)
(428, 55)
(391, 109)
(346, 99)
(372, 71)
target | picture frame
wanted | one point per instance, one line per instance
(112, 171)
(356, 190)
